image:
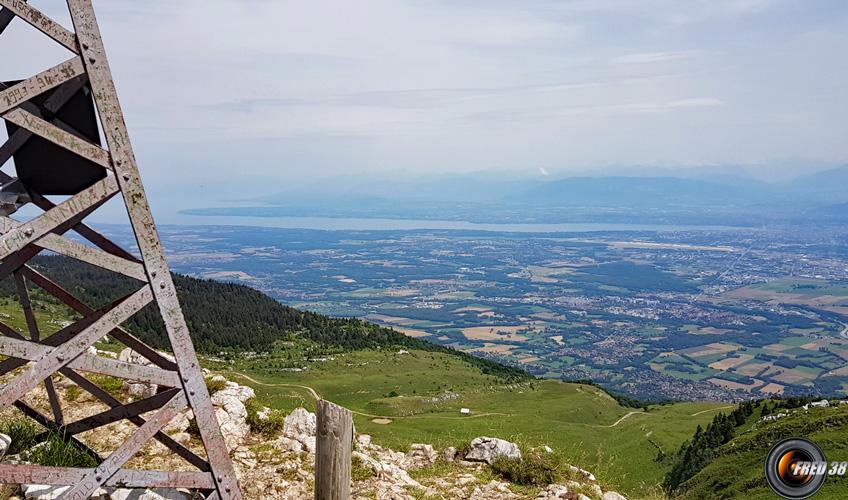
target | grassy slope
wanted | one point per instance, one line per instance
(573, 419)
(738, 471)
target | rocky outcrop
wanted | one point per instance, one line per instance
(231, 412)
(487, 449)
(283, 467)
(300, 422)
(420, 455)
(151, 494)
(555, 492)
(5, 443)
(299, 431)
(135, 389)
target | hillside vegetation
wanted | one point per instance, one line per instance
(401, 390)
(230, 317)
(416, 396)
(736, 468)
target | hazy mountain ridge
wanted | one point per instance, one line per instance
(722, 199)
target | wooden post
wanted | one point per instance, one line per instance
(333, 444)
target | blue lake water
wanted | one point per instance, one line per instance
(369, 224)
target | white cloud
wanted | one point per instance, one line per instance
(278, 87)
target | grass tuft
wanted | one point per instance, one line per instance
(358, 470)
(214, 385)
(23, 431)
(532, 469)
(269, 426)
(112, 385)
(72, 393)
(60, 452)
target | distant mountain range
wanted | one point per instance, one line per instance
(708, 199)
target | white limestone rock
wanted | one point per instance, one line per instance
(286, 444)
(486, 449)
(554, 492)
(300, 422)
(232, 417)
(586, 474)
(137, 390)
(420, 455)
(46, 492)
(42, 491)
(232, 390)
(612, 495)
(5, 443)
(180, 422)
(148, 494)
(182, 437)
(387, 471)
(363, 441)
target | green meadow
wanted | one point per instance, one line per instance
(416, 397)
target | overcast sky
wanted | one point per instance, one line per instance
(276, 89)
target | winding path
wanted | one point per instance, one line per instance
(624, 417)
(312, 392)
(316, 396)
(712, 409)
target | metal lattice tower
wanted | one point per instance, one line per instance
(56, 152)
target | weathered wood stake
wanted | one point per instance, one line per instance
(333, 444)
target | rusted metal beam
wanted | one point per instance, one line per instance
(34, 229)
(141, 219)
(119, 413)
(65, 353)
(124, 478)
(53, 77)
(52, 104)
(188, 455)
(95, 256)
(52, 426)
(119, 333)
(70, 248)
(94, 479)
(30, 351)
(40, 21)
(11, 146)
(6, 17)
(54, 340)
(34, 334)
(57, 98)
(29, 107)
(58, 136)
(15, 261)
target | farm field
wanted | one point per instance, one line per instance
(745, 314)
